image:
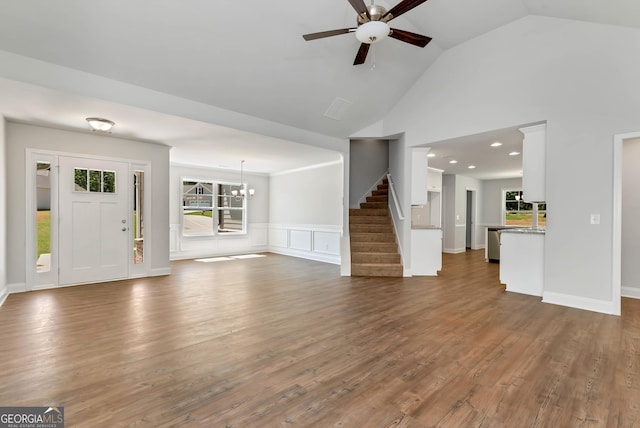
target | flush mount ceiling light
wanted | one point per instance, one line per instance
(471, 167)
(453, 161)
(514, 153)
(431, 155)
(496, 144)
(100, 124)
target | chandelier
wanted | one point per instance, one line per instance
(243, 193)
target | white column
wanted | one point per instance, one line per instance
(533, 163)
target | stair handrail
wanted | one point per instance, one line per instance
(392, 188)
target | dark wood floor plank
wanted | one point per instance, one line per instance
(279, 341)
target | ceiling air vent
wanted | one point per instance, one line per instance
(338, 108)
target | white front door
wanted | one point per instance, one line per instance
(94, 230)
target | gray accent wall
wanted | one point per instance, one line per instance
(369, 160)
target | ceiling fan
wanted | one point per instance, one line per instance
(372, 26)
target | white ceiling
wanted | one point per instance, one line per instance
(249, 57)
(490, 162)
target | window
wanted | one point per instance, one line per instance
(519, 212)
(230, 209)
(94, 180)
(209, 203)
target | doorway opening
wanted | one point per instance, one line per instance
(470, 220)
(626, 205)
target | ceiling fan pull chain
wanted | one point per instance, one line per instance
(373, 66)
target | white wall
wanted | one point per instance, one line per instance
(21, 136)
(3, 211)
(306, 212)
(630, 275)
(255, 240)
(579, 77)
(491, 213)
(369, 160)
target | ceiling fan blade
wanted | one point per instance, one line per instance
(409, 37)
(322, 34)
(400, 8)
(360, 7)
(362, 54)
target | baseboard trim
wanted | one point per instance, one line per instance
(585, 303)
(18, 287)
(454, 250)
(161, 271)
(4, 293)
(631, 292)
(319, 257)
(199, 254)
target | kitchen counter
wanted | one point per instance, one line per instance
(528, 230)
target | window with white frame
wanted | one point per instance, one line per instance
(520, 213)
(206, 204)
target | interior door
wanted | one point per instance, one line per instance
(94, 230)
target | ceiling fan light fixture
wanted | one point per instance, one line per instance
(372, 32)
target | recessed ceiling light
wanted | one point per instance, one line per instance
(453, 161)
(471, 166)
(514, 153)
(496, 144)
(431, 155)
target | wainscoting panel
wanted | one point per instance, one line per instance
(193, 247)
(315, 242)
(259, 234)
(300, 239)
(278, 237)
(326, 242)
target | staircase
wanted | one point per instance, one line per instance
(374, 251)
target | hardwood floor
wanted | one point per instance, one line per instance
(279, 341)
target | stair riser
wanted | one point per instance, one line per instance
(370, 228)
(375, 258)
(381, 198)
(380, 193)
(374, 205)
(373, 237)
(369, 219)
(373, 247)
(376, 271)
(368, 212)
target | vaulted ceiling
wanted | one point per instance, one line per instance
(250, 57)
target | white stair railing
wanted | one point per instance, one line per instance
(396, 204)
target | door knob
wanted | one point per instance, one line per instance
(124, 229)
